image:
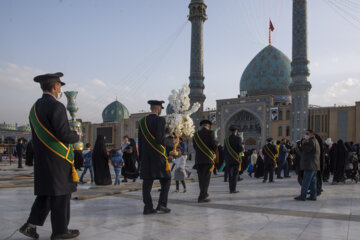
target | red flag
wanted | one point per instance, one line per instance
(271, 27)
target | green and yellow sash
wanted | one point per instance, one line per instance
(205, 149)
(151, 140)
(268, 152)
(233, 153)
(52, 143)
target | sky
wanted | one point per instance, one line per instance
(134, 51)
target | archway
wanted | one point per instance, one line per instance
(249, 127)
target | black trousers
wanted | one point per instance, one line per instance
(233, 177)
(269, 169)
(19, 161)
(177, 184)
(60, 212)
(204, 175)
(146, 191)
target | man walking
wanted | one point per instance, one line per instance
(55, 175)
(310, 164)
(205, 146)
(282, 160)
(233, 148)
(19, 152)
(153, 158)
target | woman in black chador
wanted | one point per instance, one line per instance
(339, 165)
(130, 157)
(101, 162)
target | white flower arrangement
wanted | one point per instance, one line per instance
(180, 122)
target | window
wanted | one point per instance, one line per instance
(280, 115)
(287, 131)
(317, 123)
(288, 115)
(280, 131)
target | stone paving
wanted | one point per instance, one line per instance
(259, 211)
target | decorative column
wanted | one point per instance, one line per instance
(300, 85)
(197, 17)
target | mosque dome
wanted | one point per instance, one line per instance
(169, 109)
(267, 73)
(115, 112)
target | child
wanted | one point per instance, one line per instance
(87, 163)
(180, 173)
(117, 162)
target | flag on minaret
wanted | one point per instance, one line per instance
(271, 27)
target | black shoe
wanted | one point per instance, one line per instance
(236, 191)
(298, 198)
(71, 233)
(280, 177)
(264, 181)
(29, 231)
(311, 199)
(163, 209)
(240, 179)
(149, 211)
(205, 200)
(124, 180)
(272, 181)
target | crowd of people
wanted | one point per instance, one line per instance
(55, 162)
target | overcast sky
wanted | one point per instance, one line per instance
(140, 50)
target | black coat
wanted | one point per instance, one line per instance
(53, 174)
(273, 149)
(235, 143)
(153, 164)
(208, 137)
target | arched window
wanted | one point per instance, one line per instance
(280, 131)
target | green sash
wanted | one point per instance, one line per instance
(205, 149)
(232, 153)
(151, 140)
(268, 152)
(52, 143)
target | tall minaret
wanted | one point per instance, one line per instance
(197, 18)
(300, 85)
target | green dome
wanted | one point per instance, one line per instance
(115, 112)
(268, 73)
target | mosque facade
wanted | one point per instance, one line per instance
(272, 100)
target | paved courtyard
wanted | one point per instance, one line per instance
(259, 211)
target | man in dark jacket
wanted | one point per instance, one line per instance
(269, 151)
(54, 182)
(205, 146)
(233, 148)
(282, 160)
(310, 164)
(19, 152)
(153, 158)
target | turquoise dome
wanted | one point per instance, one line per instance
(267, 74)
(115, 112)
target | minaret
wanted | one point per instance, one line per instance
(197, 18)
(300, 85)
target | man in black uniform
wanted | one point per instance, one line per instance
(233, 148)
(54, 182)
(153, 158)
(205, 146)
(269, 151)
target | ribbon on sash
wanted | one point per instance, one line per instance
(52, 143)
(233, 154)
(205, 150)
(151, 140)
